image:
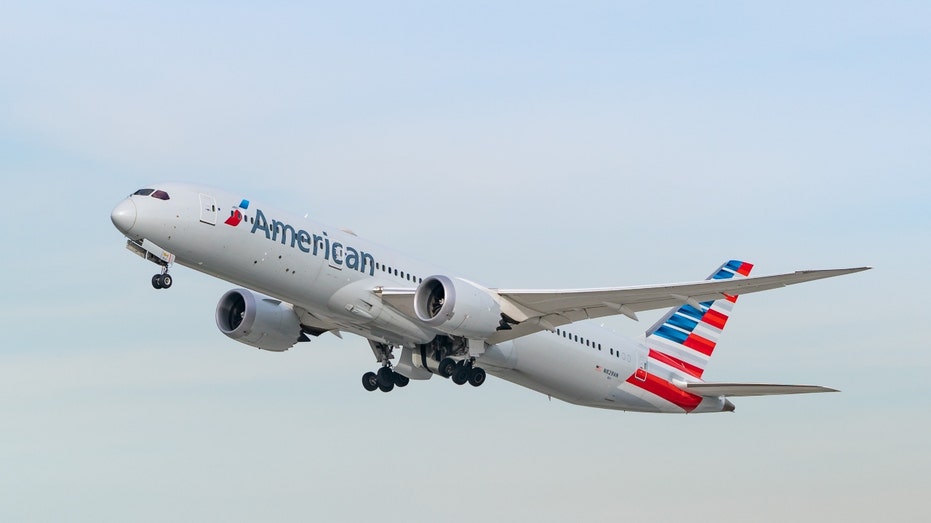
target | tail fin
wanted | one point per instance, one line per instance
(685, 337)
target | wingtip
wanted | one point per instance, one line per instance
(844, 272)
(852, 270)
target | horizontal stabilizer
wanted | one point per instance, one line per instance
(748, 389)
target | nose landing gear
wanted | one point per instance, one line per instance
(156, 255)
(161, 280)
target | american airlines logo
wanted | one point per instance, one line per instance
(237, 217)
(334, 252)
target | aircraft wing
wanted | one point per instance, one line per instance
(536, 310)
(748, 389)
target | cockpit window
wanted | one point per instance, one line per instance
(143, 192)
(161, 195)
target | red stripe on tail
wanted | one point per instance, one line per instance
(669, 392)
(714, 318)
(688, 368)
(696, 342)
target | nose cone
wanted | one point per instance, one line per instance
(124, 215)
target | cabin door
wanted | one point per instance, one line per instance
(208, 209)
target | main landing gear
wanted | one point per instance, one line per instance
(161, 280)
(462, 371)
(385, 380)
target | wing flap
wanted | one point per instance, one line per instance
(749, 389)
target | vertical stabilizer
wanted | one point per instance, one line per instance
(684, 339)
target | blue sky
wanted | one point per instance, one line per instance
(524, 144)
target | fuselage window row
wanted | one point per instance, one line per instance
(401, 274)
(588, 343)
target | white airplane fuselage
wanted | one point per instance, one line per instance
(332, 278)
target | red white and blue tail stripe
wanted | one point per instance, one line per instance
(684, 339)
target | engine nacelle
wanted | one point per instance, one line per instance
(457, 307)
(259, 321)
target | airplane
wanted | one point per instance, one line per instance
(298, 279)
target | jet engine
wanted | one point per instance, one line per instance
(258, 320)
(457, 307)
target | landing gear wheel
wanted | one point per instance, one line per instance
(370, 381)
(461, 375)
(161, 281)
(385, 379)
(400, 380)
(385, 375)
(477, 376)
(447, 367)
